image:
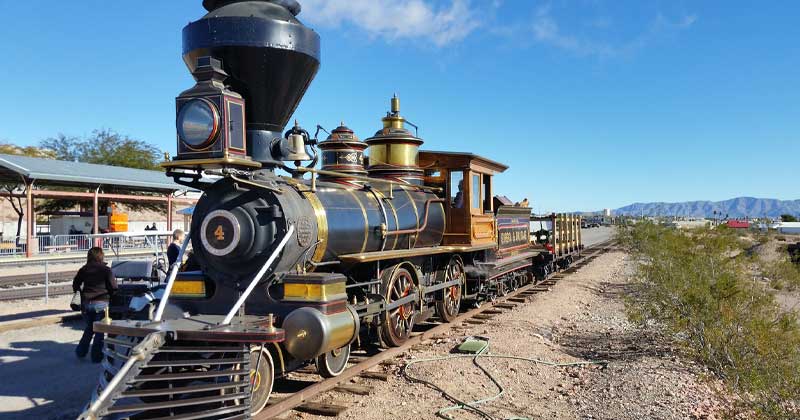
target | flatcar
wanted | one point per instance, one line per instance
(356, 243)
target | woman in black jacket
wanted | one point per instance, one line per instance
(96, 283)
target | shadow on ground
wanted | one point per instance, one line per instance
(43, 379)
(34, 314)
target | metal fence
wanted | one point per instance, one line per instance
(16, 246)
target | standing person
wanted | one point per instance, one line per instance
(96, 283)
(175, 247)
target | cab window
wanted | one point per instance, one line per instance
(457, 189)
(476, 191)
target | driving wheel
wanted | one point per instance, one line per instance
(398, 322)
(448, 307)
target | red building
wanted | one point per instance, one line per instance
(738, 224)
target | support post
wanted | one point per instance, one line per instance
(169, 211)
(29, 218)
(96, 217)
(46, 282)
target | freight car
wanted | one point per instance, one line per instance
(296, 268)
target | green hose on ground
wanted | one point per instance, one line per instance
(473, 405)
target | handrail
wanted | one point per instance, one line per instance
(424, 223)
(258, 276)
(367, 178)
(173, 273)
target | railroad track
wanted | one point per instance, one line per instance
(302, 399)
(38, 278)
(35, 292)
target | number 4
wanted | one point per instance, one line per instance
(219, 233)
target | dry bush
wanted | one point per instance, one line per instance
(693, 288)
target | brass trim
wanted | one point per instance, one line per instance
(366, 219)
(309, 292)
(407, 253)
(193, 163)
(367, 179)
(322, 225)
(280, 356)
(394, 154)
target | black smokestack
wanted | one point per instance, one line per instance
(271, 58)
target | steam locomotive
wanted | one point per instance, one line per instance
(295, 268)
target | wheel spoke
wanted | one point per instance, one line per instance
(396, 290)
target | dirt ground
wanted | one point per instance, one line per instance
(35, 307)
(581, 319)
(772, 251)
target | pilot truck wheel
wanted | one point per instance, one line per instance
(333, 363)
(262, 377)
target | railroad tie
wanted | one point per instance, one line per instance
(321, 409)
(381, 376)
(310, 407)
(494, 311)
(505, 305)
(483, 316)
(354, 389)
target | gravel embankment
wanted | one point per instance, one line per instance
(581, 319)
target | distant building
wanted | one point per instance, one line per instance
(690, 224)
(738, 224)
(789, 228)
(607, 212)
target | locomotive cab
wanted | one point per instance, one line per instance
(467, 181)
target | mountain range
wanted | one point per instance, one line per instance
(741, 207)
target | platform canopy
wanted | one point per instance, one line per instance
(58, 172)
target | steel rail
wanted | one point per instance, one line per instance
(306, 394)
(36, 278)
(34, 292)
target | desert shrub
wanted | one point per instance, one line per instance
(780, 238)
(697, 289)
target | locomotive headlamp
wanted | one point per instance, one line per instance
(198, 123)
(210, 121)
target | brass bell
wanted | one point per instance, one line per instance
(296, 145)
(294, 148)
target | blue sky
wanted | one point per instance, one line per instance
(592, 103)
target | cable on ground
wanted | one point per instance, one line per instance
(473, 406)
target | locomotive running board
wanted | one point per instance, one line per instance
(408, 253)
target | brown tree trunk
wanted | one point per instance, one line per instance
(19, 227)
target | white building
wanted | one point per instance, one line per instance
(788, 228)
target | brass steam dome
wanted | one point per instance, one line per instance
(393, 150)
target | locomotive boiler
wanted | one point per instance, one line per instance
(305, 246)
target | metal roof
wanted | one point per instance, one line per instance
(51, 171)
